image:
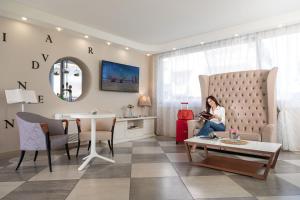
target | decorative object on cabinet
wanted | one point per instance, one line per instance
(104, 132)
(66, 78)
(130, 111)
(40, 133)
(144, 101)
(20, 96)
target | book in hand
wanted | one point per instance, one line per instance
(206, 115)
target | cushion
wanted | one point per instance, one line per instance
(100, 135)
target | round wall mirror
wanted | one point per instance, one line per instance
(66, 79)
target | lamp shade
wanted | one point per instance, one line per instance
(144, 100)
(20, 96)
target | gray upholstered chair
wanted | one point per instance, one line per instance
(104, 132)
(41, 133)
(249, 99)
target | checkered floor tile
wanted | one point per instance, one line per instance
(151, 168)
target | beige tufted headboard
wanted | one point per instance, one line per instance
(249, 99)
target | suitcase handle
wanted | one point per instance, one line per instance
(184, 104)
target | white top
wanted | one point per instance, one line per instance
(251, 145)
(219, 111)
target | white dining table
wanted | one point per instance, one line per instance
(93, 152)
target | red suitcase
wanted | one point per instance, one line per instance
(185, 113)
(181, 130)
(181, 124)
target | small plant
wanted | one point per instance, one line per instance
(130, 106)
(233, 134)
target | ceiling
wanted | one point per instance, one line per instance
(154, 23)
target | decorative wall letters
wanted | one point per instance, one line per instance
(4, 37)
(8, 123)
(91, 50)
(48, 38)
(22, 85)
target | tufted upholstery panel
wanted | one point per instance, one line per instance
(249, 99)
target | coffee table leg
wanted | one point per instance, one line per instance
(188, 151)
(269, 165)
(275, 159)
(205, 151)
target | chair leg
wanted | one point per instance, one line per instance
(89, 145)
(78, 146)
(108, 141)
(49, 152)
(35, 155)
(67, 150)
(111, 147)
(21, 159)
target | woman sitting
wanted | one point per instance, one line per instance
(216, 122)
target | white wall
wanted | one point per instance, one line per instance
(26, 43)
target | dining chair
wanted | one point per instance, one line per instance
(104, 132)
(40, 133)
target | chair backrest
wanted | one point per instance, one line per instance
(248, 97)
(54, 126)
(101, 124)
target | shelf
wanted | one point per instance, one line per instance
(120, 119)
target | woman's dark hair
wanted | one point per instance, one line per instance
(213, 99)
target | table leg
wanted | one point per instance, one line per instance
(205, 151)
(85, 157)
(93, 153)
(85, 163)
(269, 165)
(275, 159)
(188, 151)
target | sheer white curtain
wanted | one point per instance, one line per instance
(282, 48)
(177, 75)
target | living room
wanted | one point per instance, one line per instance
(93, 94)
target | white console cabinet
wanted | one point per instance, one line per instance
(127, 129)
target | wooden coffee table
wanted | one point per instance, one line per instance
(260, 170)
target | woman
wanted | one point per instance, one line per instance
(216, 122)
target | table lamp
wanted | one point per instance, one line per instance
(20, 96)
(144, 101)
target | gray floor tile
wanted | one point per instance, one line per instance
(174, 149)
(101, 189)
(291, 178)
(139, 144)
(287, 155)
(158, 189)
(285, 167)
(143, 170)
(7, 187)
(273, 186)
(147, 150)
(279, 198)
(23, 174)
(165, 138)
(118, 158)
(43, 190)
(231, 198)
(117, 150)
(187, 169)
(108, 171)
(149, 158)
(214, 187)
